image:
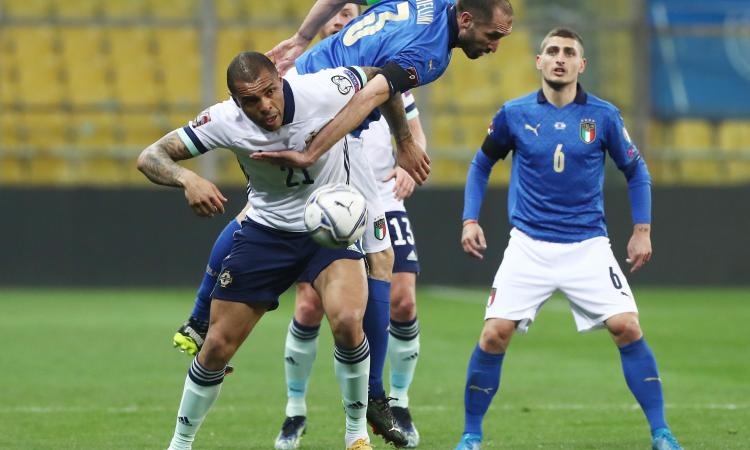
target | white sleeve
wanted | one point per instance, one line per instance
(208, 131)
(410, 106)
(330, 89)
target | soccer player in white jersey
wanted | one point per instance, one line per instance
(392, 185)
(272, 249)
(560, 136)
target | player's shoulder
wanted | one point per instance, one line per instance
(343, 78)
(219, 114)
(593, 101)
(519, 104)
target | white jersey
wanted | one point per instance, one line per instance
(277, 194)
(379, 150)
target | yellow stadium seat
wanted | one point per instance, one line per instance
(37, 63)
(448, 171)
(183, 9)
(94, 132)
(86, 63)
(692, 134)
(102, 170)
(12, 132)
(67, 9)
(49, 169)
(13, 170)
(133, 61)
(48, 130)
(734, 136)
(135, 131)
(27, 8)
(127, 9)
(180, 82)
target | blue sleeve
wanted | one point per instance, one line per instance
(629, 160)
(499, 141)
(476, 184)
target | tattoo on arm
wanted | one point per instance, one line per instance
(157, 161)
(394, 113)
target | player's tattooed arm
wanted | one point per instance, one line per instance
(158, 163)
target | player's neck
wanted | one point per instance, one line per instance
(559, 96)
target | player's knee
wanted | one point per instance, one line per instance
(496, 335)
(380, 264)
(308, 311)
(347, 328)
(216, 351)
(403, 304)
(624, 328)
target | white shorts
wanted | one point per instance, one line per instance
(362, 177)
(586, 272)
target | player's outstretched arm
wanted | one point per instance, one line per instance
(410, 152)
(284, 54)
(158, 163)
(639, 246)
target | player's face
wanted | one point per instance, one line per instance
(561, 61)
(340, 20)
(262, 101)
(478, 37)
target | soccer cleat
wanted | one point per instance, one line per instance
(191, 335)
(360, 444)
(291, 433)
(662, 439)
(380, 418)
(405, 424)
(470, 441)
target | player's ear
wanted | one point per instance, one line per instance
(538, 62)
(583, 66)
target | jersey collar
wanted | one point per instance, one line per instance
(288, 103)
(452, 27)
(581, 96)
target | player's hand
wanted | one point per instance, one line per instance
(404, 183)
(472, 240)
(413, 159)
(286, 158)
(639, 247)
(203, 196)
(286, 52)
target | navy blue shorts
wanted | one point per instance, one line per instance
(264, 262)
(402, 240)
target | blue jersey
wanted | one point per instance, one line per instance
(557, 177)
(418, 35)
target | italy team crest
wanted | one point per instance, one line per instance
(588, 131)
(380, 229)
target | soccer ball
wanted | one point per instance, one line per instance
(336, 215)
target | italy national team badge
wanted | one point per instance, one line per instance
(225, 279)
(588, 131)
(380, 230)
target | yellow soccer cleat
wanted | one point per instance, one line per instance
(190, 336)
(360, 444)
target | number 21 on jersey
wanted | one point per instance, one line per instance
(372, 23)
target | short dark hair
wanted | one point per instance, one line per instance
(563, 32)
(247, 66)
(482, 10)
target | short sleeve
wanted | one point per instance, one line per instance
(331, 89)
(206, 132)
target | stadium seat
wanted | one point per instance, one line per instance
(180, 83)
(692, 134)
(13, 169)
(127, 9)
(27, 9)
(75, 9)
(48, 130)
(734, 141)
(48, 168)
(89, 80)
(135, 131)
(93, 132)
(37, 63)
(183, 9)
(132, 60)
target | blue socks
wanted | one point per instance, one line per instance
(482, 381)
(220, 250)
(642, 377)
(375, 325)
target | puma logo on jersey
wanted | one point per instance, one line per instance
(534, 130)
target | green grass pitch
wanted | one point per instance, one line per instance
(94, 369)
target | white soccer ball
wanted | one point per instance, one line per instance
(336, 215)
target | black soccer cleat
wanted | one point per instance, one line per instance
(406, 425)
(291, 433)
(380, 418)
